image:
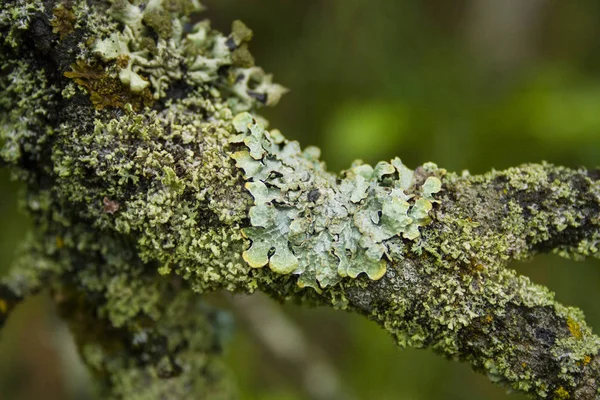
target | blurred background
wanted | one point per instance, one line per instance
(468, 84)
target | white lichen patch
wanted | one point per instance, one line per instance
(307, 222)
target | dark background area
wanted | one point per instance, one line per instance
(469, 84)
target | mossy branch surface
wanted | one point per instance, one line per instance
(152, 179)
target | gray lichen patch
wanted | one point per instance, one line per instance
(307, 222)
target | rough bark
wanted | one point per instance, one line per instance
(148, 182)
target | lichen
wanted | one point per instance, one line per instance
(306, 222)
(177, 355)
(463, 298)
(574, 328)
(196, 57)
(17, 18)
(125, 193)
(64, 20)
(107, 91)
(561, 394)
(153, 187)
(26, 103)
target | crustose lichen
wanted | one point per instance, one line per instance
(306, 221)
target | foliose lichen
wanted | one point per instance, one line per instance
(305, 221)
(168, 158)
(194, 55)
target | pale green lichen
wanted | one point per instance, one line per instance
(178, 55)
(306, 223)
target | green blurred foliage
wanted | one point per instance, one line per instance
(469, 84)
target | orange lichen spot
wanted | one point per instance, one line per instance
(3, 307)
(60, 243)
(63, 22)
(561, 393)
(489, 319)
(574, 328)
(105, 90)
(524, 364)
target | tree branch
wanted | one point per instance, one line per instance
(129, 127)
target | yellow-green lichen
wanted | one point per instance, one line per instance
(574, 328)
(27, 101)
(16, 19)
(561, 394)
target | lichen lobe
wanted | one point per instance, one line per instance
(308, 222)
